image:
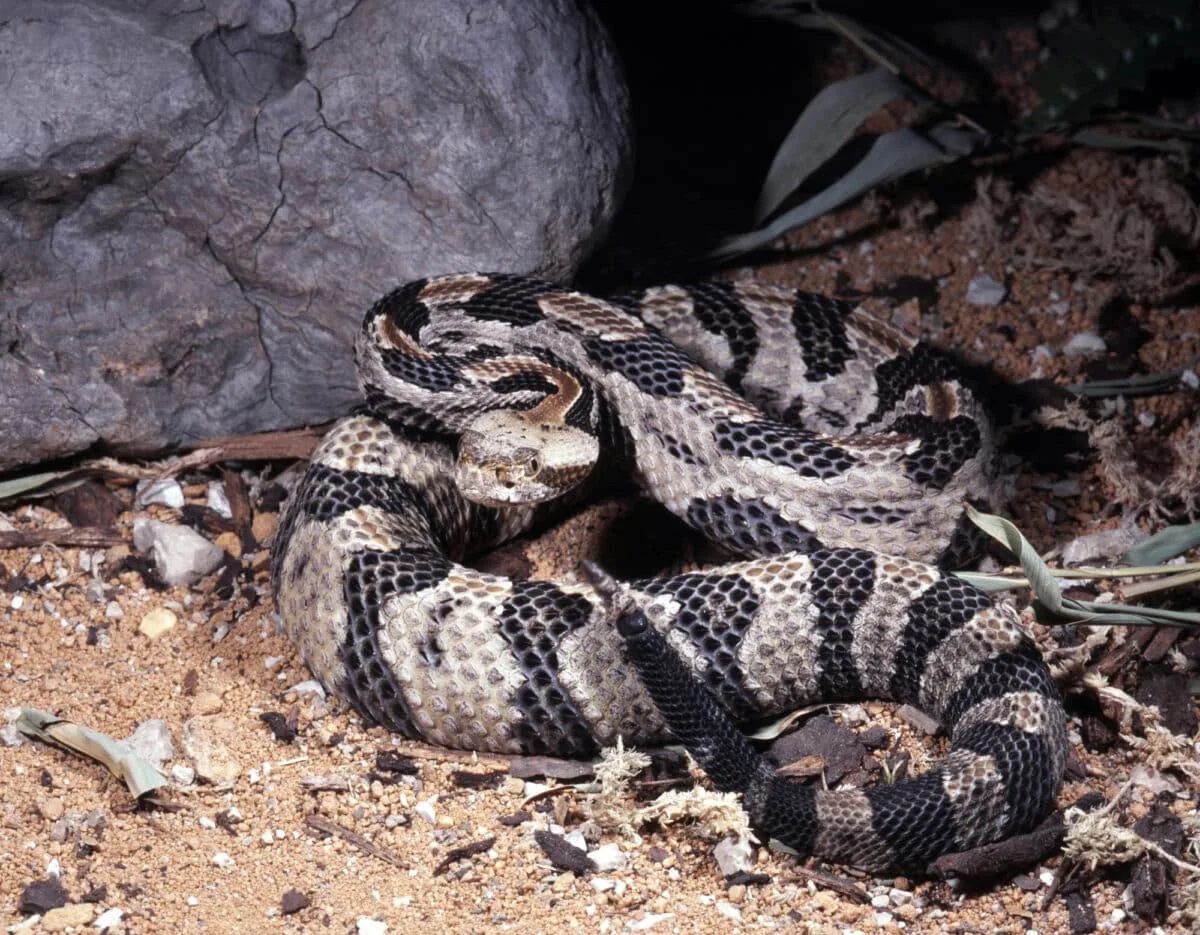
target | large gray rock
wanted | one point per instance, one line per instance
(199, 200)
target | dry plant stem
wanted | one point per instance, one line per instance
(83, 537)
(321, 823)
(833, 882)
(263, 446)
(462, 853)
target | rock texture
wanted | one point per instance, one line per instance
(198, 200)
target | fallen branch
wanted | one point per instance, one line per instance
(84, 537)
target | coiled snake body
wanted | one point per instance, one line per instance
(508, 389)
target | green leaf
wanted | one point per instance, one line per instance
(890, 157)
(31, 484)
(1144, 385)
(1047, 591)
(1097, 139)
(137, 773)
(824, 126)
(1163, 545)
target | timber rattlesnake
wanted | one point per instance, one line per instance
(508, 387)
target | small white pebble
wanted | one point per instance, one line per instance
(1047, 877)
(426, 810)
(1085, 344)
(166, 492)
(272, 661)
(113, 611)
(1051, 515)
(608, 857)
(365, 926)
(881, 901)
(184, 775)
(983, 290)
(108, 919)
(648, 921)
(193, 901)
(216, 500)
(223, 860)
(1189, 379)
(17, 601)
(729, 910)
(207, 823)
(883, 918)
(1146, 418)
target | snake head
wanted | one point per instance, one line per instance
(506, 459)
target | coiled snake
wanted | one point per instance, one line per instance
(486, 394)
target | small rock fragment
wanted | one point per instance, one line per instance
(113, 611)
(729, 910)
(165, 491)
(918, 719)
(608, 857)
(1085, 344)
(283, 728)
(293, 901)
(216, 500)
(157, 622)
(366, 926)
(648, 921)
(51, 809)
(151, 740)
(42, 896)
(733, 854)
(73, 916)
(108, 920)
(206, 703)
(1106, 545)
(184, 775)
(309, 687)
(203, 745)
(229, 542)
(426, 811)
(264, 526)
(983, 290)
(181, 556)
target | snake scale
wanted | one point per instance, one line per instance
(826, 451)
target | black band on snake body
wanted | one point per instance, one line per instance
(778, 807)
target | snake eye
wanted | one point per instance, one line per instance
(532, 466)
